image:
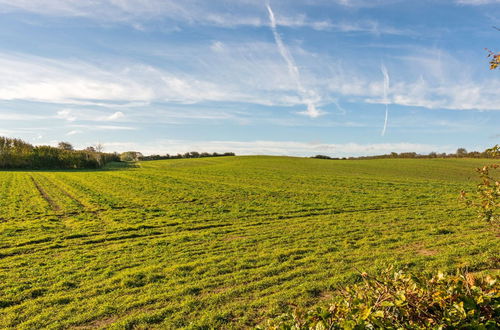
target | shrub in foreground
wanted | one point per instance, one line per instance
(400, 300)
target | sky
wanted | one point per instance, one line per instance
(277, 77)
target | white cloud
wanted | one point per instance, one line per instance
(73, 115)
(477, 2)
(40, 79)
(241, 72)
(20, 116)
(115, 116)
(427, 78)
(105, 127)
(217, 46)
(66, 114)
(74, 132)
(45, 80)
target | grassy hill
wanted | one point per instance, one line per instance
(222, 241)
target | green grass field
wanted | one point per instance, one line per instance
(223, 242)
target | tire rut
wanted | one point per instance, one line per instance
(53, 205)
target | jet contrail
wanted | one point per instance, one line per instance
(293, 70)
(386, 101)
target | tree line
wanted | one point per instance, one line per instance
(460, 153)
(137, 156)
(18, 154)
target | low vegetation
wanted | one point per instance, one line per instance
(227, 241)
(405, 301)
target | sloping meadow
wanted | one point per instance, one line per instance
(223, 242)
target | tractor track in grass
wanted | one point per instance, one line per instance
(53, 205)
(200, 225)
(113, 239)
(67, 194)
(105, 199)
(83, 206)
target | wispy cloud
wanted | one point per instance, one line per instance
(105, 127)
(477, 2)
(194, 12)
(386, 101)
(41, 79)
(426, 78)
(309, 97)
(72, 115)
(21, 117)
(74, 132)
(245, 72)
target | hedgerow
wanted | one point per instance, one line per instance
(17, 154)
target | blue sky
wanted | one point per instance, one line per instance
(284, 77)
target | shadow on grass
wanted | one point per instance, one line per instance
(112, 166)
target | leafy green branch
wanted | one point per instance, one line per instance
(401, 300)
(487, 197)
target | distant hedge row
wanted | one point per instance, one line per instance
(460, 153)
(17, 154)
(192, 154)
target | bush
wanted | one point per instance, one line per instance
(400, 300)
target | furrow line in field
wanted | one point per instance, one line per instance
(188, 179)
(177, 189)
(318, 211)
(66, 193)
(95, 239)
(182, 228)
(7, 179)
(55, 207)
(96, 196)
(113, 239)
(81, 203)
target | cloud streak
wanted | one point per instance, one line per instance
(386, 101)
(309, 97)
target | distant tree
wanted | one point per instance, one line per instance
(321, 157)
(194, 154)
(90, 149)
(65, 146)
(130, 156)
(461, 152)
(408, 155)
(99, 147)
